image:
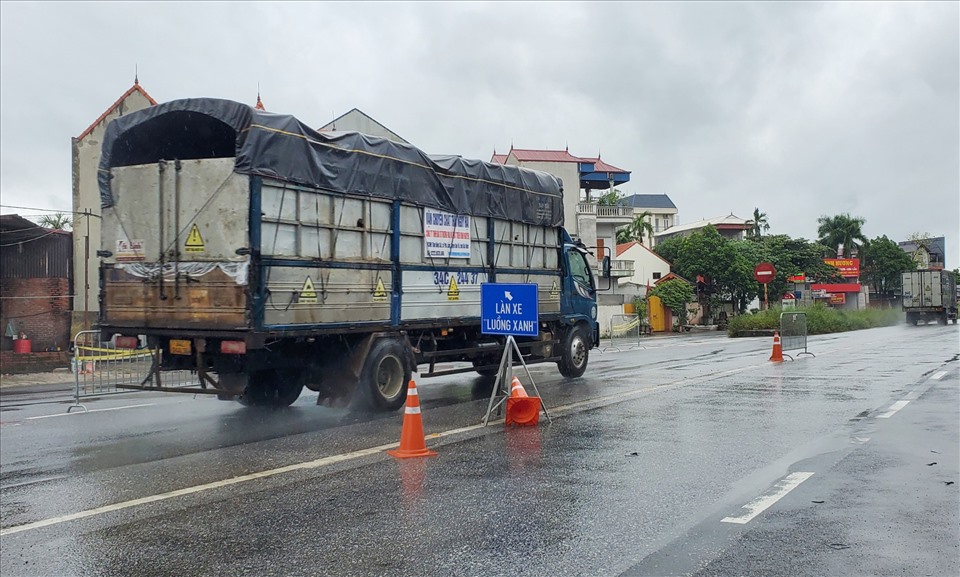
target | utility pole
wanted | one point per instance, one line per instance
(86, 272)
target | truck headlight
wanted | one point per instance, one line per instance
(593, 312)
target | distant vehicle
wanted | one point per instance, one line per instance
(269, 257)
(928, 295)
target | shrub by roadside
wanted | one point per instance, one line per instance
(820, 320)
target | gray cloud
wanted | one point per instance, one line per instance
(800, 109)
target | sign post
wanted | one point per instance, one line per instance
(510, 310)
(764, 273)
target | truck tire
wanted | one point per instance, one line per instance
(271, 388)
(575, 351)
(489, 371)
(384, 378)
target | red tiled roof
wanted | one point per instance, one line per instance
(529, 155)
(601, 166)
(621, 248)
(669, 276)
(135, 88)
(499, 158)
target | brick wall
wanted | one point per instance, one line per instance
(44, 317)
(17, 364)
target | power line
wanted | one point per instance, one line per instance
(54, 231)
(50, 210)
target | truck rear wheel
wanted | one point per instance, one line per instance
(575, 352)
(271, 388)
(385, 377)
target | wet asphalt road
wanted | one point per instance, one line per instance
(648, 459)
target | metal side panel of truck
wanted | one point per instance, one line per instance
(233, 267)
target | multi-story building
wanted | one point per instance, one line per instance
(594, 225)
(928, 253)
(662, 212)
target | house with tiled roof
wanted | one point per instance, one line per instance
(356, 120)
(663, 213)
(648, 266)
(731, 226)
(86, 201)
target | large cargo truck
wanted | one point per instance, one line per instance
(268, 257)
(929, 295)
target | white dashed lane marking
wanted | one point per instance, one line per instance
(763, 502)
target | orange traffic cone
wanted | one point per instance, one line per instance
(411, 437)
(522, 410)
(777, 355)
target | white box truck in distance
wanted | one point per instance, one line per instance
(929, 295)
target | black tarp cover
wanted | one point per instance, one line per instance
(280, 146)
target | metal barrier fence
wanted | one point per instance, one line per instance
(793, 332)
(625, 332)
(99, 369)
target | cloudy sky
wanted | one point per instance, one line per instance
(799, 109)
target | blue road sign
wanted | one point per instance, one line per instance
(509, 309)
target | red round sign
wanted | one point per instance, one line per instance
(764, 272)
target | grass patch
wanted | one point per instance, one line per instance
(821, 320)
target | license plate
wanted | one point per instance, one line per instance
(179, 347)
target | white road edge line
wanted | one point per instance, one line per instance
(90, 411)
(603, 401)
(939, 375)
(763, 502)
(893, 409)
(196, 489)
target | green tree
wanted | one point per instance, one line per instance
(610, 198)
(58, 221)
(758, 225)
(636, 230)
(841, 229)
(676, 294)
(670, 249)
(708, 254)
(882, 264)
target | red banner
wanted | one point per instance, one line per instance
(848, 267)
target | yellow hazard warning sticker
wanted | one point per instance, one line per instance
(194, 242)
(555, 290)
(379, 293)
(453, 293)
(308, 294)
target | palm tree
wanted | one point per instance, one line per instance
(841, 229)
(758, 225)
(58, 221)
(637, 229)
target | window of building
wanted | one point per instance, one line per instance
(656, 276)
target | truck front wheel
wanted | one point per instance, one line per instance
(575, 352)
(384, 378)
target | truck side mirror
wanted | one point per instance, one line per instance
(606, 267)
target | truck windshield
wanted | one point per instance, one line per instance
(580, 270)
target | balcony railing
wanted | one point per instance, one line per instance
(606, 212)
(618, 268)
